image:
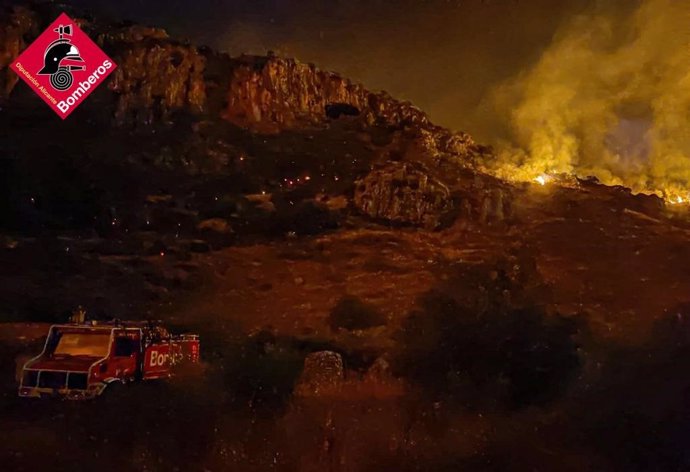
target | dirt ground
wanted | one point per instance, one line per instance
(621, 267)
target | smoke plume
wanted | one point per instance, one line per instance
(610, 97)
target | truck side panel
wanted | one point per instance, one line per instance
(157, 361)
(189, 349)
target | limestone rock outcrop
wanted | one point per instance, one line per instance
(323, 373)
(155, 78)
(404, 193)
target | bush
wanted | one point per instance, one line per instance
(351, 313)
(502, 284)
(495, 358)
(635, 411)
(301, 217)
(260, 371)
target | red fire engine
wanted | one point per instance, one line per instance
(81, 360)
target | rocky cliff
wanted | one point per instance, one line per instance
(275, 91)
(161, 82)
(156, 76)
(159, 76)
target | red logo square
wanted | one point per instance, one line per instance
(63, 66)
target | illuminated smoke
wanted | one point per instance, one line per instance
(610, 97)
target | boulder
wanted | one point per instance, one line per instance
(216, 225)
(380, 370)
(404, 192)
(323, 372)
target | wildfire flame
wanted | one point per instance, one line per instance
(576, 112)
(672, 194)
(677, 200)
(542, 179)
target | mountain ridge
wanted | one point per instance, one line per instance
(163, 84)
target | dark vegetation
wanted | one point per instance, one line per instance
(539, 379)
(206, 170)
(637, 413)
(492, 359)
(351, 313)
(258, 371)
(483, 340)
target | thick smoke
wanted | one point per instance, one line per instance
(610, 98)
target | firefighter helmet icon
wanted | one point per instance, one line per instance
(57, 58)
(62, 66)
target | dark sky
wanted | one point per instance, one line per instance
(443, 55)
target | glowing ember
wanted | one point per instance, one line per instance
(542, 179)
(677, 200)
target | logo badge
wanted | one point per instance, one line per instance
(63, 66)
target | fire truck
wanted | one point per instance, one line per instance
(83, 360)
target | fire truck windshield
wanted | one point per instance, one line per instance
(83, 344)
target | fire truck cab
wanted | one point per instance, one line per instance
(79, 361)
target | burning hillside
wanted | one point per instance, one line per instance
(608, 98)
(372, 291)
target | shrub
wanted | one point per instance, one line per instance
(494, 358)
(351, 313)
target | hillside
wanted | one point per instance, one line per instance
(251, 198)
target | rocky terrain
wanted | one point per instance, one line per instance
(367, 297)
